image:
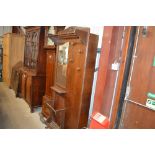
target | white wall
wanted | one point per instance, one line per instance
(5, 29)
(99, 31)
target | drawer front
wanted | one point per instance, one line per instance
(38, 90)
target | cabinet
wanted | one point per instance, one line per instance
(33, 73)
(74, 71)
(1, 61)
(13, 53)
(50, 49)
(50, 64)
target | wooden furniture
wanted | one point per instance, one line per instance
(139, 103)
(33, 73)
(1, 61)
(50, 49)
(113, 65)
(15, 78)
(74, 70)
(13, 52)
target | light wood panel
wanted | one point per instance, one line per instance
(13, 52)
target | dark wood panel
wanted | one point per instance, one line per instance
(50, 69)
(137, 117)
(136, 114)
(38, 90)
(143, 61)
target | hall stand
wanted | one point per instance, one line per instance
(74, 71)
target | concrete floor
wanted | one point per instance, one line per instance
(15, 112)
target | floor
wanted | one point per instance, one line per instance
(15, 112)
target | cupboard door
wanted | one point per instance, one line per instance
(27, 49)
(38, 90)
(31, 49)
(50, 64)
(136, 111)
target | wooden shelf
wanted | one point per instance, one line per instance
(58, 90)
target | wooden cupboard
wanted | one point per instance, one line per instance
(1, 61)
(50, 49)
(74, 71)
(34, 70)
(13, 52)
(50, 64)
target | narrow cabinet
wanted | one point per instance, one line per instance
(50, 49)
(34, 70)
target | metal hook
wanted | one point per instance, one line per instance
(145, 31)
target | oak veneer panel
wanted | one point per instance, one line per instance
(13, 49)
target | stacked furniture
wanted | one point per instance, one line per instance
(13, 52)
(74, 71)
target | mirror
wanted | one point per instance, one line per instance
(62, 61)
(50, 31)
(63, 54)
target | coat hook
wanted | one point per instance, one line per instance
(145, 31)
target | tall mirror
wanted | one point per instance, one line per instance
(62, 61)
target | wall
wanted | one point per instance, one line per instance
(3, 30)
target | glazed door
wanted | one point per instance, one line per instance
(139, 104)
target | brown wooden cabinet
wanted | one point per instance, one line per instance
(74, 70)
(13, 53)
(1, 61)
(50, 49)
(34, 70)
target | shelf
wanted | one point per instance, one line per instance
(50, 105)
(58, 90)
